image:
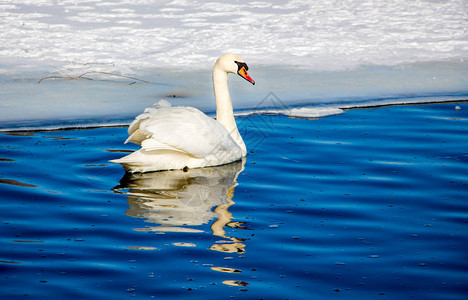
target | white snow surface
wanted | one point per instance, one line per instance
(324, 35)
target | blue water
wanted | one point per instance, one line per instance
(369, 204)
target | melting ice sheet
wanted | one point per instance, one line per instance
(105, 99)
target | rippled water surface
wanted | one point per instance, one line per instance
(364, 205)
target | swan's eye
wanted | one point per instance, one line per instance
(241, 64)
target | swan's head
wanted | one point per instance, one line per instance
(232, 63)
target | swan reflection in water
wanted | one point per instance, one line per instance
(180, 200)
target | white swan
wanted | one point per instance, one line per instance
(184, 137)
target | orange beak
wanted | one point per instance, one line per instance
(243, 73)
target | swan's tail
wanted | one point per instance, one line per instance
(146, 161)
(132, 162)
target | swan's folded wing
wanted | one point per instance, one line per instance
(159, 108)
(185, 129)
(135, 125)
(153, 145)
(136, 137)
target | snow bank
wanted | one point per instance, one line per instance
(323, 35)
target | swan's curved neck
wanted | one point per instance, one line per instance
(224, 111)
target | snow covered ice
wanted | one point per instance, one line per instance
(364, 49)
(309, 34)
